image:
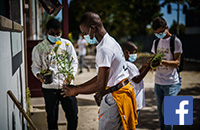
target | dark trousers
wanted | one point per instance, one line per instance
(69, 105)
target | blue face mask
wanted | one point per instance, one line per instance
(132, 57)
(53, 39)
(89, 40)
(160, 35)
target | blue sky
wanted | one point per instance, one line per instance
(168, 17)
(173, 16)
(59, 15)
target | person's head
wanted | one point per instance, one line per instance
(90, 26)
(130, 51)
(53, 30)
(81, 36)
(160, 27)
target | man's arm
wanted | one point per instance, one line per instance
(36, 64)
(94, 79)
(90, 87)
(175, 63)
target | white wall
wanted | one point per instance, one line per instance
(9, 113)
(14, 82)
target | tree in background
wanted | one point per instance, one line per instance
(122, 18)
(195, 4)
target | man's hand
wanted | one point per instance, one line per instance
(39, 76)
(164, 62)
(68, 91)
(68, 80)
(147, 63)
(156, 62)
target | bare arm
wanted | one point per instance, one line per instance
(90, 86)
(143, 71)
(174, 63)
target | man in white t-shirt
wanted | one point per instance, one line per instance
(112, 73)
(167, 81)
(82, 43)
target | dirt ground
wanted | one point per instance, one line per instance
(148, 117)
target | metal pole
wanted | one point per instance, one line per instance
(21, 109)
(178, 8)
(65, 18)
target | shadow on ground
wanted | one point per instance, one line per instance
(148, 117)
(85, 102)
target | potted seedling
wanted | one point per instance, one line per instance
(47, 75)
(64, 64)
(60, 58)
(157, 59)
(45, 72)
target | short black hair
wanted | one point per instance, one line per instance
(128, 46)
(159, 22)
(90, 18)
(53, 23)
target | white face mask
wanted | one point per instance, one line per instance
(53, 39)
(160, 35)
(89, 40)
(132, 57)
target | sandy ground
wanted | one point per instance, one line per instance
(148, 118)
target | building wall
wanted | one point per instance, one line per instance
(12, 75)
(9, 113)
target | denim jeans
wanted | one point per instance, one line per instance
(69, 105)
(160, 92)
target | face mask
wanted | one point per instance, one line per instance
(160, 35)
(53, 39)
(89, 40)
(132, 57)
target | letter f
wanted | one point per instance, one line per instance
(181, 111)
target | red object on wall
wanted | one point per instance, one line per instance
(34, 84)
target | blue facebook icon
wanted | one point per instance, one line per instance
(178, 110)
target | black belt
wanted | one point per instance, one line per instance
(114, 88)
(98, 96)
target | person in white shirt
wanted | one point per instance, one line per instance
(112, 74)
(167, 82)
(82, 44)
(136, 76)
(51, 91)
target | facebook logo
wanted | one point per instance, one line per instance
(178, 110)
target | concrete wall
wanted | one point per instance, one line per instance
(12, 77)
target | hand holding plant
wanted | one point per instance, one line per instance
(157, 59)
(58, 57)
(45, 75)
(40, 77)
